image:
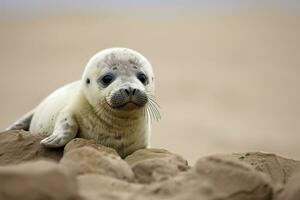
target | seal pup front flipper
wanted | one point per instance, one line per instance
(65, 130)
(23, 123)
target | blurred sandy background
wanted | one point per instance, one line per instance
(228, 73)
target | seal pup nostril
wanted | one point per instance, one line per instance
(133, 91)
(127, 91)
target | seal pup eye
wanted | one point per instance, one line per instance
(107, 79)
(143, 78)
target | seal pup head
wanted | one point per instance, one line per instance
(120, 80)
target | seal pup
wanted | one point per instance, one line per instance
(113, 104)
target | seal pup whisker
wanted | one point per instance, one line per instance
(154, 107)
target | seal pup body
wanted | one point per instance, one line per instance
(112, 104)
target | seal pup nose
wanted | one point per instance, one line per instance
(130, 91)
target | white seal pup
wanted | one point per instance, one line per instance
(112, 104)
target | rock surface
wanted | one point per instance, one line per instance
(279, 169)
(292, 189)
(79, 142)
(96, 186)
(88, 171)
(37, 180)
(234, 180)
(19, 146)
(87, 160)
(151, 165)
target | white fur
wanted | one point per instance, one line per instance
(80, 110)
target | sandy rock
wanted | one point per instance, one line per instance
(147, 174)
(80, 142)
(95, 187)
(183, 186)
(86, 160)
(37, 180)
(279, 169)
(210, 179)
(20, 146)
(292, 189)
(150, 165)
(234, 180)
(186, 185)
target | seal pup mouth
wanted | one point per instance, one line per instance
(129, 106)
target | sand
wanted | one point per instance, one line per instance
(88, 171)
(225, 82)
